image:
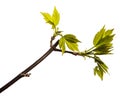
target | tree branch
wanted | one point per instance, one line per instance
(25, 72)
(73, 53)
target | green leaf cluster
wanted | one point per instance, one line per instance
(70, 41)
(101, 68)
(52, 19)
(103, 41)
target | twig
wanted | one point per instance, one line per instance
(25, 72)
(73, 53)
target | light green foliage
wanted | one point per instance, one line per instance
(71, 38)
(52, 19)
(98, 71)
(103, 37)
(70, 41)
(56, 17)
(98, 36)
(62, 44)
(47, 18)
(102, 46)
(101, 67)
(102, 43)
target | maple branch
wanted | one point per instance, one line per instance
(83, 54)
(25, 72)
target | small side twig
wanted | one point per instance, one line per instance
(52, 38)
(26, 75)
(73, 53)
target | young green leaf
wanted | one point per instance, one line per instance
(72, 46)
(103, 49)
(62, 44)
(52, 19)
(95, 70)
(48, 18)
(101, 64)
(102, 41)
(98, 36)
(106, 40)
(98, 71)
(108, 33)
(103, 37)
(71, 38)
(55, 16)
(101, 67)
(71, 42)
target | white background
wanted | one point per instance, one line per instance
(24, 37)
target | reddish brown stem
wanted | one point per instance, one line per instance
(25, 72)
